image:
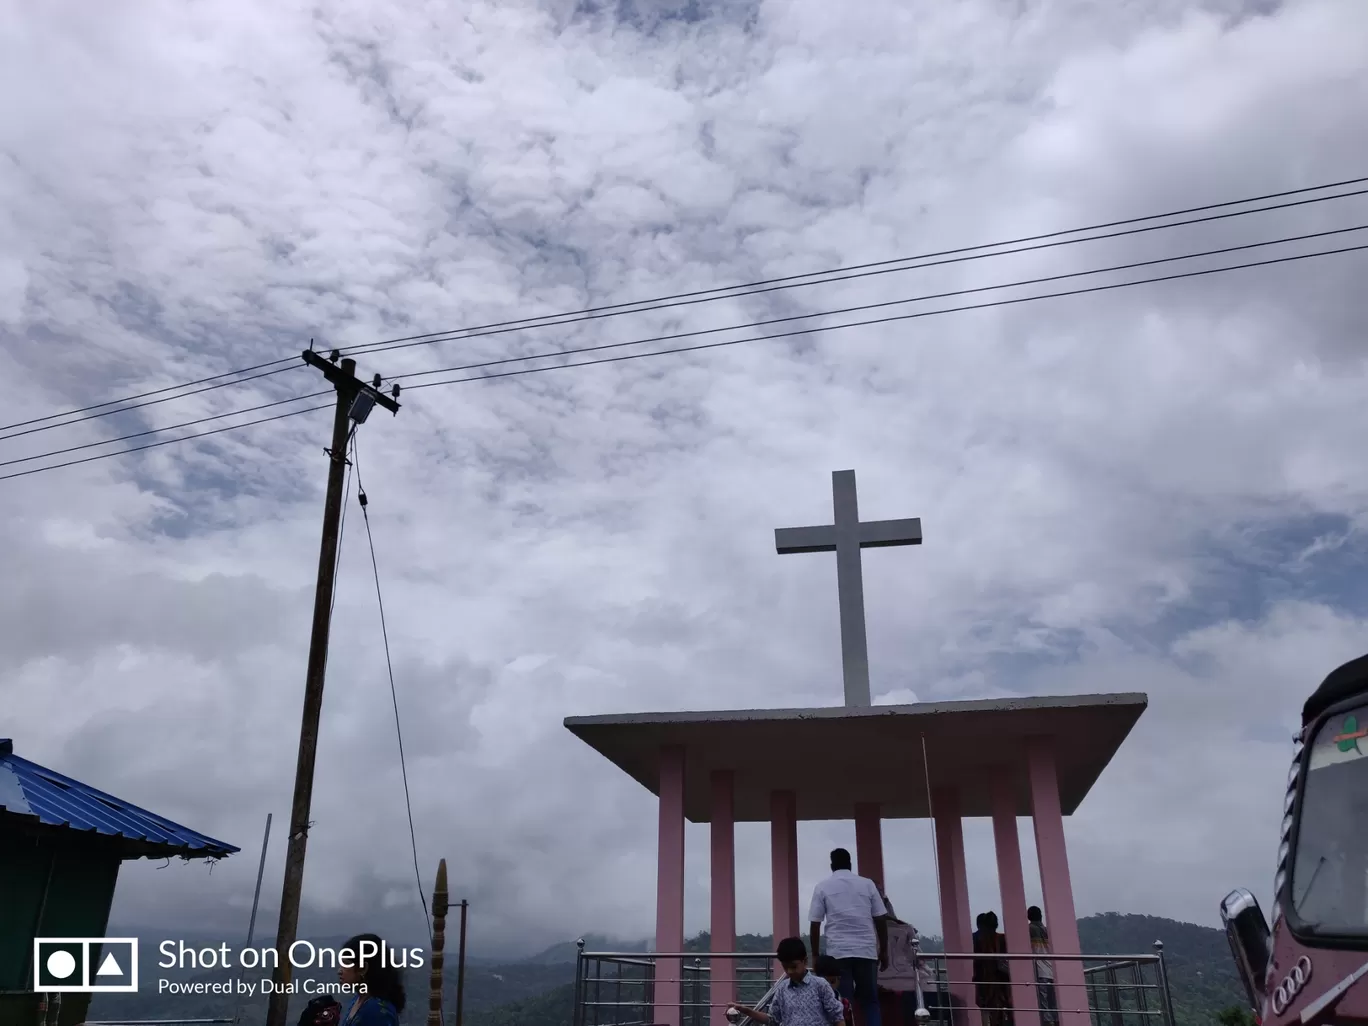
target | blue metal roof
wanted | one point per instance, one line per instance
(54, 800)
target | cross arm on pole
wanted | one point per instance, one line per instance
(340, 379)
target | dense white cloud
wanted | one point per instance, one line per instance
(1157, 489)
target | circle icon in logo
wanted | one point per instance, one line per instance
(61, 964)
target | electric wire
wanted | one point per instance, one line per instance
(1011, 301)
(394, 342)
(931, 815)
(551, 354)
(833, 276)
(160, 430)
(341, 534)
(394, 694)
(503, 361)
(976, 290)
(891, 319)
(164, 441)
(731, 291)
(141, 405)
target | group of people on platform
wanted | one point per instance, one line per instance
(993, 976)
(857, 916)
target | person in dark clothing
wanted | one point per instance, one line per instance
(992, 989)
(379, 995)
(830, 970)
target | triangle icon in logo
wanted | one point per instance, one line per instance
(109, 967)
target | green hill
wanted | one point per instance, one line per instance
(1201, 971)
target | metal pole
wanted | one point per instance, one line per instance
(251, 922)
(261, 869)
(347, 388)
(460, 965)
(577, 1016)
(1164, 992)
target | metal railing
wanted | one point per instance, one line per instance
(47, 1011)
(626, 989)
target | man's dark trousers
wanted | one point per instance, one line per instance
(860, 986)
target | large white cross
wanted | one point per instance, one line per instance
(846, 537)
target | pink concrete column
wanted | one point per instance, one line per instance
(784, 863)
(670, 886)
(954, 889)
(1013, 887)
(869, 842)
(722, 926)
(1060, 918)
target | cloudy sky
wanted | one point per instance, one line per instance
(1158, 489)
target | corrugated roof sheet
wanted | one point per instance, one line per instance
(27, 789)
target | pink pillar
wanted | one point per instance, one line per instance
(869, 842)
(784, 863)
(723, 923)
(670, 886)
(954, 889)
(1060, 918)
(1013, 887)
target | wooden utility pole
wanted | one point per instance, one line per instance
(355, 399)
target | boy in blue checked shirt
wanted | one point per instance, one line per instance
(802, 998)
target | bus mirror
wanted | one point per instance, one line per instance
(1250, 941)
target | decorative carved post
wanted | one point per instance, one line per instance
(439, 911)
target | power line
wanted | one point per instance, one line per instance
(164, 441)
(757, 338)
(895, 317)
(875, 306)
(503, 361)
(142, 395)
(394, 694)
(160, 430)
(962, 254)
(727, 292)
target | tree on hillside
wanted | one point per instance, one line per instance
(1236, 1015)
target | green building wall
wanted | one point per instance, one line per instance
(57, 885)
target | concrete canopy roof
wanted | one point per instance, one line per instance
(833, 758)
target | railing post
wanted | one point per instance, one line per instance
(651, 975)
(1141, 1002)
(1113, 996)
(617, 989)
(1164, 993)
(577, 1016)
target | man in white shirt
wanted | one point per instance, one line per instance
(856, 932)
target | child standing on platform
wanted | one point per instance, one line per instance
(801, 998)
(830, 970)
